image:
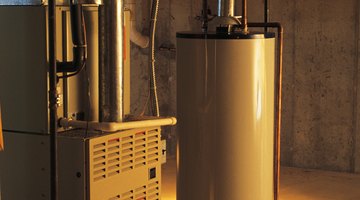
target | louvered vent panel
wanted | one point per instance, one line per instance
(99, 161)
(153, 191)
(153, 141)
(127, 154)
(115, 155)
(117, 197)
(149, 192)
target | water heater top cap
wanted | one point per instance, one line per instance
(233, 35)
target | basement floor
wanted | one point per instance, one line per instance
(296, 184)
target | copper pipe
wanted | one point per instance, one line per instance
(244, 16)
(278, 101)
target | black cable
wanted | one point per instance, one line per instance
(78, 31)
(82, 41)
(73, 74)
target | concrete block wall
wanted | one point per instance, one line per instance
(321, 113)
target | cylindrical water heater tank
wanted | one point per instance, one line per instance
(225, 97)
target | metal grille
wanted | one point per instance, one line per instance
(145, 192)
(125, 165)
(122, 154)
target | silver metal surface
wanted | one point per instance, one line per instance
(92, 64)
(226, 119)
(72, 167)
(226, 8)
(44, 2)
(111, 61)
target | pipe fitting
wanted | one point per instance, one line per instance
(135, 36)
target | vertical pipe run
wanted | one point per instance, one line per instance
(64, 59)
(111, 61)
(205, 16)
(52, 99)
(278, 102)
(92, 70)
(244, 16)
(266, 13)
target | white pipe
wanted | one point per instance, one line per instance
(135, 36)
(116, 126)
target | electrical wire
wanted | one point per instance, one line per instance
(155, 101)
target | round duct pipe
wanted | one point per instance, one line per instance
(111, 63)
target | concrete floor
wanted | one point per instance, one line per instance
(296, 184)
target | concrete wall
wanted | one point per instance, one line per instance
(320, 122)
(321, 116)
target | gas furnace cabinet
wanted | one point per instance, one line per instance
(225, 96)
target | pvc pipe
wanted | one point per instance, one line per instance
(135, 36)
(116, 126)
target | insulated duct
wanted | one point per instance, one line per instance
(111, 64)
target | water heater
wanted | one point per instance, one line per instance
(226, 112)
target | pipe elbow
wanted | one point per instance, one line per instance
(137, 38)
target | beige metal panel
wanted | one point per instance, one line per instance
(196, 119)
(23, 68)
(25, 167)
(226, 119)
(245, 119)
(71, 167)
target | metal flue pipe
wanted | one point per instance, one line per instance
(226, 8)
(111, 61)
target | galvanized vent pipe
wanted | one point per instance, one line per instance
(111, 61)
(226, 8)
